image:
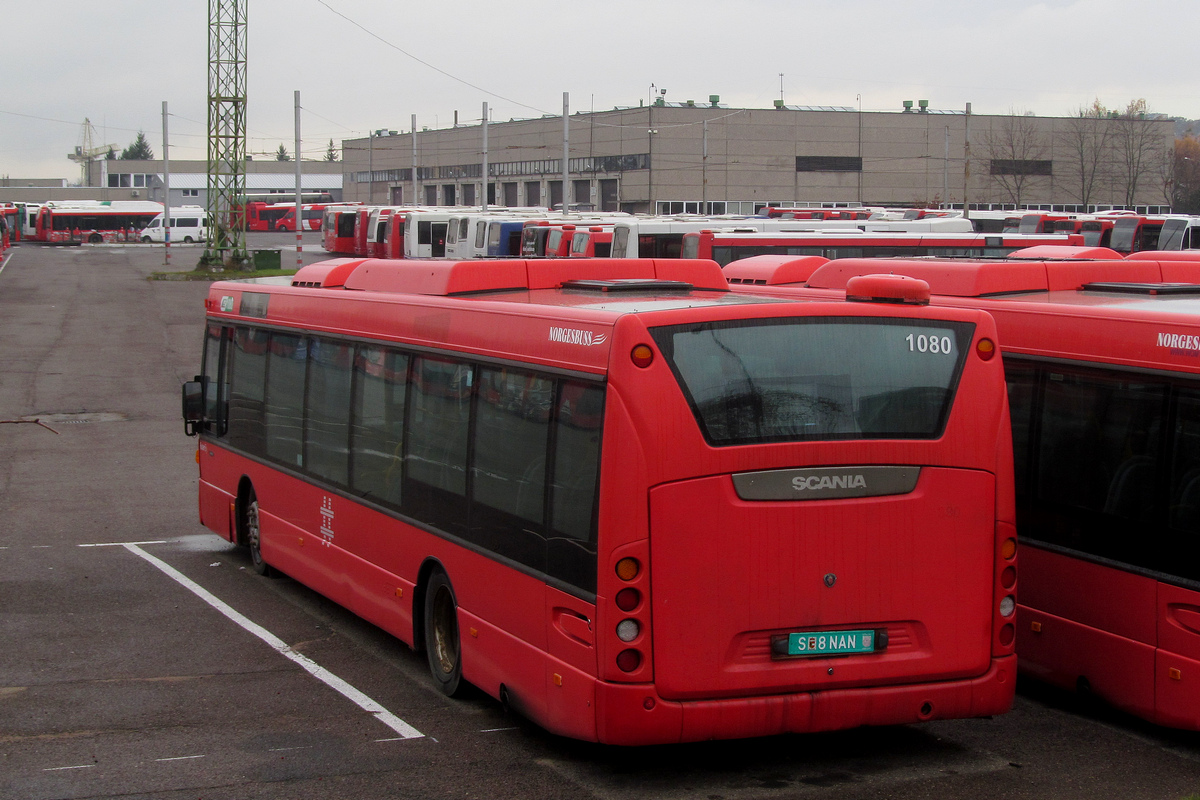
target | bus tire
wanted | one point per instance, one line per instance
(253, 534)
(145, 240)
(95, 239)
(442, 648)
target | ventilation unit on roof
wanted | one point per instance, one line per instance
(1142, 288)
(628, 285)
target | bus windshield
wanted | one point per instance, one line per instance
(817, 378)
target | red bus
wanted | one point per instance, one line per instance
(725, 247)
(595, 242)
(1104, 386)
(115, 221)
(263, 216)
(311, 215)
(620, 498)
(338, 226)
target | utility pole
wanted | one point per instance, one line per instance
(299, 204)
(566, 148)
(967, 164)
(484, 205)
(227, 133)
(166, 191)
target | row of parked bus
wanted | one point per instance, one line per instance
(404, 232)
(657, 498)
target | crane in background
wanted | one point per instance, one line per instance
(86, 152)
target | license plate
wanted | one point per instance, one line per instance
(827, 643)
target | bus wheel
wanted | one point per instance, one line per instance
(94, 239)
(145, 240)
(441, 635)
(250, 522)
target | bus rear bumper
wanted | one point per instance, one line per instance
(635, 715)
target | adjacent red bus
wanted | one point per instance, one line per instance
(263, 216)
(338, 227)
(725, 247)
(311, 215)
(633, 505)
(115, 221)
(1103, 365)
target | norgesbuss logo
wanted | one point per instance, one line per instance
(576, 336)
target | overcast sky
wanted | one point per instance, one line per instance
(368, 64)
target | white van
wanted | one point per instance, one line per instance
(188, 225)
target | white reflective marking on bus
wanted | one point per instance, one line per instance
(357, 697)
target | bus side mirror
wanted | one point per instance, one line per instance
(193, 405)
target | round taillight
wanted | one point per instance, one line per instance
(642, 355)
(985, 349)
(1007, 633)
(1007, 606)
(628, 599)
(1007, 578)
(628, 630)
(628, 569)
(629, 660)
(1008, 548)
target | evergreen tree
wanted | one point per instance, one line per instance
(282, 154)
(331, 153)
(139, 150)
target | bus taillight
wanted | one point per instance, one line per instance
(985, 349)
(628, 569)
(642, 356)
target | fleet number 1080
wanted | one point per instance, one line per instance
(928, 344)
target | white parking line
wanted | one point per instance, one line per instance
(56, 769)
(179, 758)
(364, 702)
(4, 263)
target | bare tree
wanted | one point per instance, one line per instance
(1018, 154)
(1139, 149)
(1085, 139)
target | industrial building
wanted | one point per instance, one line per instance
(707, 158)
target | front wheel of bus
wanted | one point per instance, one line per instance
(441, 635)
(253, 536)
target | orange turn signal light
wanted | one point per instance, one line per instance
(628, 569)
(642, 355)
(985, 349)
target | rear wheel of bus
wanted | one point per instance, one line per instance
(441, 635)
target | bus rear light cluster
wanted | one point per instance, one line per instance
(1006, 581)
(985, 349)
(631, 630)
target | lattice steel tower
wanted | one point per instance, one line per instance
(227, 131)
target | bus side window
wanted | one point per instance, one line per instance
(571, 552)
(377, 433)
(247, 376)
(326, 423)
(1181, 548)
